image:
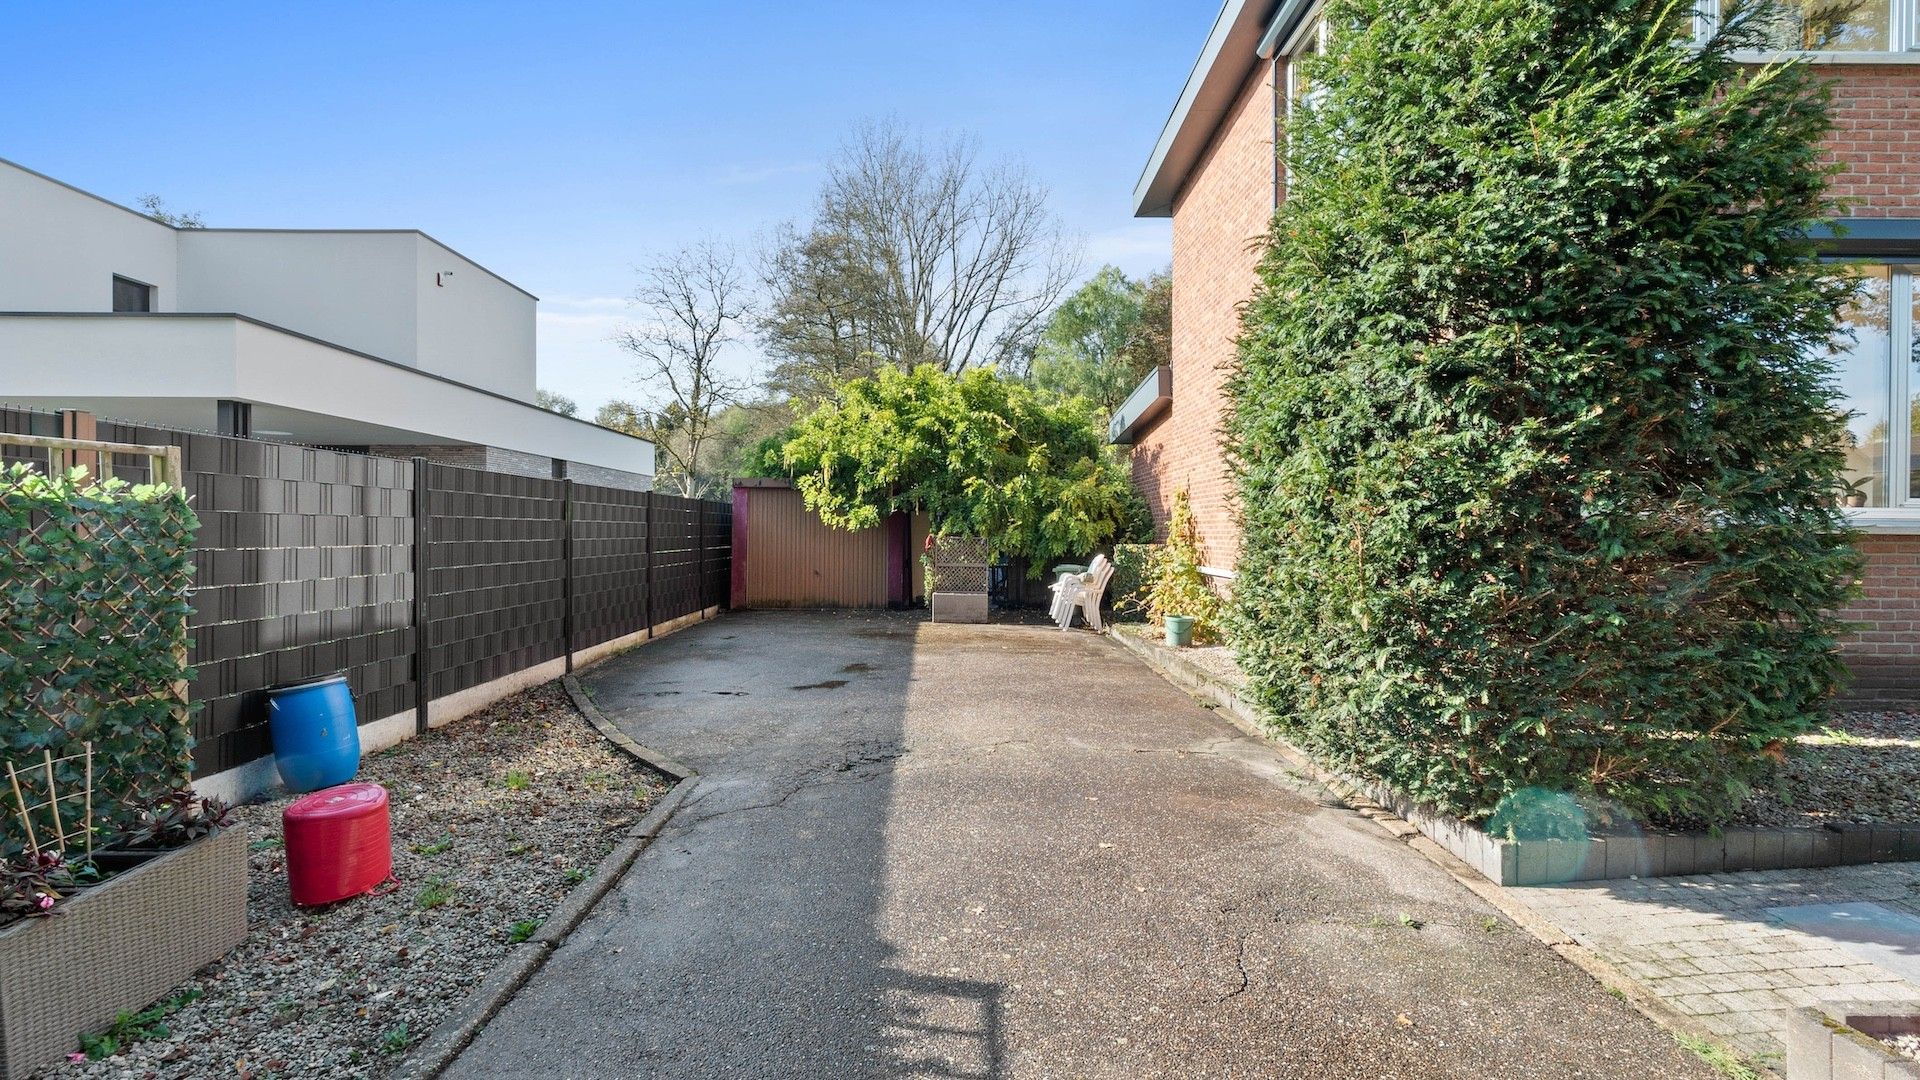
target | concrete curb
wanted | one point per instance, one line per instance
(1242, 715)
(484, 1002)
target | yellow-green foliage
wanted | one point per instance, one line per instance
(1175, 584)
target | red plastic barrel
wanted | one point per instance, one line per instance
(339, 843)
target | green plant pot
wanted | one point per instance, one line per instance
(1179, 631)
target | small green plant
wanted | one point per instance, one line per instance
(574, 875)
(435, 893)
(519, 846)
(1409, 921)
(266, 843)
(395, 1039)
(518, 780)
(1174, 583)
(522, 930)
(1717, 1057)
(437, 847)
(129, 1028)
(1492, 925)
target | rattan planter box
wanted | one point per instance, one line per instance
(120, 945)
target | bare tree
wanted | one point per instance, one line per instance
(916, 254)
(693, 304)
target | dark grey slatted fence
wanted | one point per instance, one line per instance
(305, 566)
(676, 570)
(609, 530)
(496, 584)
(302, 568)
(716, 548)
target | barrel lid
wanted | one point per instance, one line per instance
(346, 800)
(318, 680)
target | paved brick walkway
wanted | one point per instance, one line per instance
(1706, 946)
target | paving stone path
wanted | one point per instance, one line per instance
(1709, 947)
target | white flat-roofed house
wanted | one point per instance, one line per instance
(380, 340)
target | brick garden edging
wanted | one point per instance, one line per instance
(1654, 853)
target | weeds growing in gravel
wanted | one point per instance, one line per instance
(518, 780)
(129, 1028)
(438, 847)
(522, 930)
(574, 875)
(395, 1040)
(435, 893)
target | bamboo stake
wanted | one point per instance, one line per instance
(88, 747)
(53, 800)
(20, 800)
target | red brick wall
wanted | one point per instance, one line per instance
(1876, 109)
(1884, 654)
(1219, 221)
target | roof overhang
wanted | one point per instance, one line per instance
(169, 368)
(1144, 407)
(1243, 32)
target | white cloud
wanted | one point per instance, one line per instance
(577, 355)
(1139, 247)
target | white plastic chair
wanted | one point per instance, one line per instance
(1082, 592)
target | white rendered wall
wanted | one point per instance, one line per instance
(90, 362)
(473, 326)
(60, 248)
(350, 288)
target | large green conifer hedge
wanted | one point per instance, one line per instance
(1532, 425)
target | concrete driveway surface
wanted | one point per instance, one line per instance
(923, 850)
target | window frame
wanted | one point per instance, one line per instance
(1903, 38)
(152, 293)
(1902, 511)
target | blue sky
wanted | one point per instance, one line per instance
(561, 144)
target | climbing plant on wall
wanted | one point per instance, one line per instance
(93, 622)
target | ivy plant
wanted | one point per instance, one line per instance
(93, 621)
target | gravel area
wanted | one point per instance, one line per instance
(1859, 767)
(495, 818)
(1216, 660)
(1907, 1045)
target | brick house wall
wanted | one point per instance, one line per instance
(1876, 112)
(1884, 653)
(1220, 218)
(1219, 224)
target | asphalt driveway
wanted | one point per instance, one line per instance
(1005, 851)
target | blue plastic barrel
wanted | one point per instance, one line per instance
(316, 739)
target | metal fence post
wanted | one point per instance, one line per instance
(700, 551)
(422, 656)
(646, 501)
(566, 569)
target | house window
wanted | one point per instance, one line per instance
(131, 295)
(1875, 369)
(1833, 26)
(1310, 41)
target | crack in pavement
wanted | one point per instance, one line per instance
(849, 770)
(1239, 966)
